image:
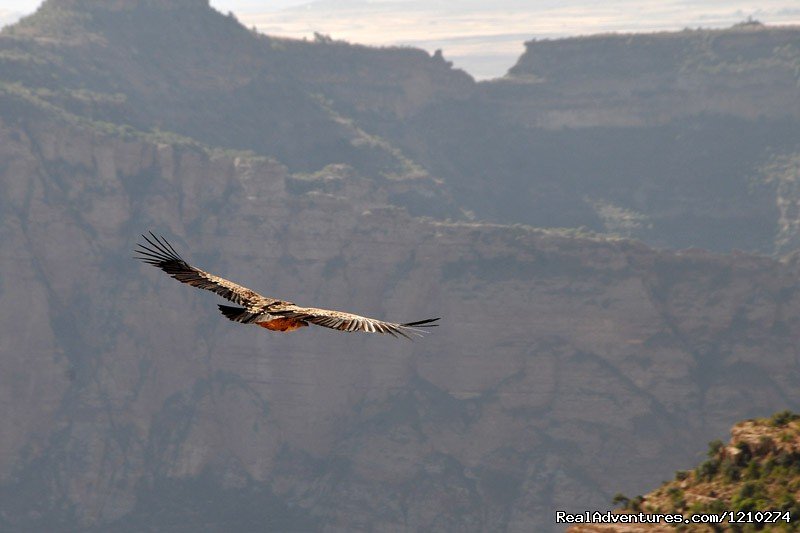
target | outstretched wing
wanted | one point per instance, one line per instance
(161, 254)
(350, 322)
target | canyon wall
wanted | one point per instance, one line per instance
(567, 366)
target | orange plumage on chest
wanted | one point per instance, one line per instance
(283, 324)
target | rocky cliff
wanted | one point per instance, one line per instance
(748, 71)
(673, 138)
(677, 138)
(562, 358)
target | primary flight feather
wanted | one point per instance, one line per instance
(269, 313)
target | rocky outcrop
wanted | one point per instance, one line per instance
(675, 138)
(562, 358)
(753, 480)
(748, 71)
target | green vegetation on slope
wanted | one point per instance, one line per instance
(759, 470)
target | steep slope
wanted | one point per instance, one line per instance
(680, 139)
(758, 470)
(184, 68)
(562, 358)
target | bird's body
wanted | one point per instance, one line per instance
(283, 324)
(269, 313)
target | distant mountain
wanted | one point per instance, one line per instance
(680, 139)
(747, 71)
(182, 67)
(757, 471)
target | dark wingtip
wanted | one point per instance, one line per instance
(159, 251)
(423, 323)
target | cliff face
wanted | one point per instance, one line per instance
(748, 71)
(673, 138)
(561, 358)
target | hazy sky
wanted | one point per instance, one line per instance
(483, 37)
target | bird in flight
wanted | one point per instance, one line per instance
(269, 313)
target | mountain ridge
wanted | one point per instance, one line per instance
(643, 149)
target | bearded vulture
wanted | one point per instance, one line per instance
(269, 313)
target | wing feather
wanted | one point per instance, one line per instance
(160, 253)
(350, 322)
